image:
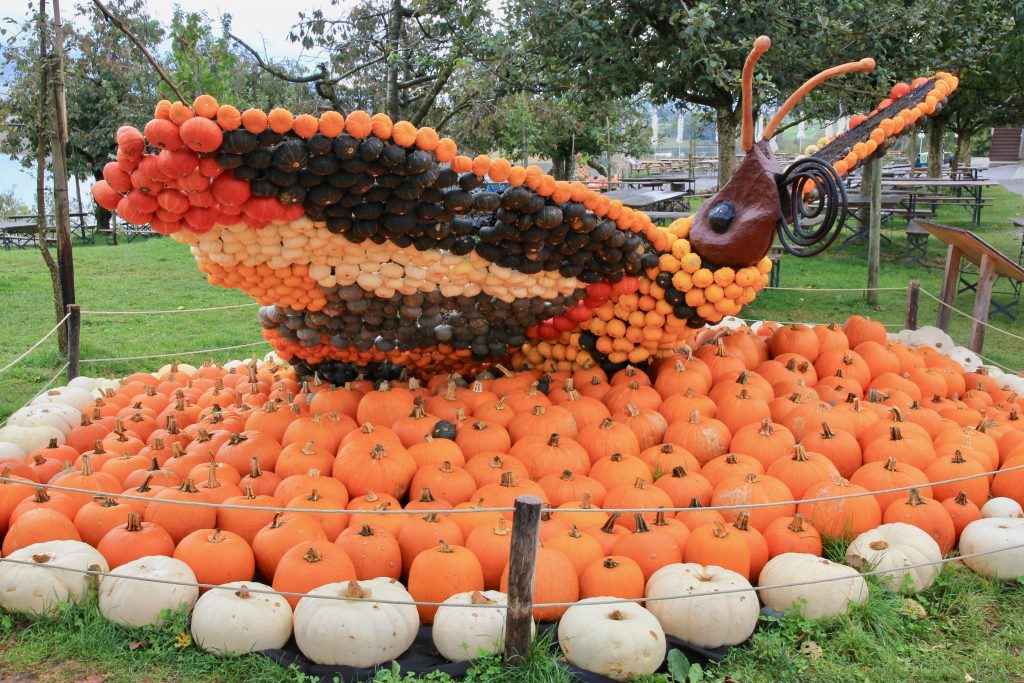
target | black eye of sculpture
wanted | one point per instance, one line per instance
(721, 216)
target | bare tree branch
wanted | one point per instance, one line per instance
(416, 81)
(442, 79)
(320, 76)
(138, 43)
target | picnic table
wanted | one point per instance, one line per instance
(81, 226)
(929, 191)
(857, 222)
(655, 200)
(17, 233)
(677, 182)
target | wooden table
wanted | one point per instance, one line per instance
(80, 225)
(677, 182)
(17, 233)
(992, 263)
(859, 227)
(655, 200)
(973, 188)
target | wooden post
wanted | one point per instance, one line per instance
(949, 280)
(913, 298)
(65, 259)
(521, 567)
(872, 183)
(982, 299)
(74, 340)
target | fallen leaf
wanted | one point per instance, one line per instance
(968, 678)
(810, 649)
(913, 608)
(138, 645)
(182, 640)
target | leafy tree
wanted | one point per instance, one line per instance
(692, 52)
(10, 204)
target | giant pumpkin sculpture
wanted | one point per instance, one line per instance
(375, 247)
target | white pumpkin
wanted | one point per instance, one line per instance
(989, 535)
(76, 398)
(177, 367)
(139, 603)
(967, 358)
(621, 641)
(814, 600)
(890, 548)
(31, 438)
(9, 449)
(56, 415)
(43, 586)
(358, 632)
(461, 633)
(84, 383)
(232, 621)
(1001, 508)
(708, 620)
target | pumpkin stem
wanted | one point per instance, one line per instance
(641, 524)
(574, 531)
(878, 545)
(632, 409)
(894, 434)
(538, 410)
(719, 531)
(308, 448)
(553, 441)
(243, 593)
(145, 487)
(961, 498)
(731, 459)
(958, 458)
(890, 464)
(606, 423)
(610, 563)
(915, 498)
(41, 558)
(41, 495)
(799, 454)
(695, 417)
(502, 527)
(38, 459)
(366, 531)
(312, 555)
(767, 429)
(508, 479)
(609, 526)
(742, 521)
(640, 483)
(496, 463)
(896, 414)
(87, 463)
(751, 478)
(615, 457)
(480, 426)
(425, 495)
(445, 548)
(678, 472)
(826, 431)
(478, 598)
(134, 522)
(254, 467)
(797, 525)
(566, 475)
(378, 452)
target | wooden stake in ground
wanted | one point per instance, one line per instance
(871, 183)
(58, 158)
(522, 565)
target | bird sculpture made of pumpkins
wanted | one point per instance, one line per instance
(372, 243)
(892, 549)
(787, 583)
(57, 575)
(138, 603)
(705, 618)
(622, 641)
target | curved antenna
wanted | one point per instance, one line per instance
(761, 46)
(864, 65)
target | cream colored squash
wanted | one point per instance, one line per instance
(1002, 508)
(76, 398)
(890, 548)
(9, 449)
(140, 603)
(992, 534)
(57, 415)
(709, 620)
(31, 438)
(233, 621)
(461, 633)
(621, 641)
(357, 632)
(41, 588)
(814, 600)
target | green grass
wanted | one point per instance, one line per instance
(964, 625)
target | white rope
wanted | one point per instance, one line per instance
(172, 310)
(172, 355)
(457, 511)
(751, 321)
(40, 392)
(426, 603)
(837, 289)
(36, 345)
(971, 317)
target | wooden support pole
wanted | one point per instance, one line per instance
(872, 184)
(949, 280)
(982, 300)
(74, 341)
(65, 259)
(522, 565)
(913, 299)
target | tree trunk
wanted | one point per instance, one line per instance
(962, 156)
(936, 131)
(391, 49)
(42, 230)
(726, 120)
(561, 163)
(102, 215)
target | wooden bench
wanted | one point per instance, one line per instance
(667, 216)
(775, 255)
(917, 245)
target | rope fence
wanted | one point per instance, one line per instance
(971, 317)
(458, 511)
(36, 345)
(262, 342)
(427, 603)
(174, 310)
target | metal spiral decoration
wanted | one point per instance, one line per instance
(811, 229)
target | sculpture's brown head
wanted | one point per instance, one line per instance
(737, 225)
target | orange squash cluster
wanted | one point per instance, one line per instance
(787, 415)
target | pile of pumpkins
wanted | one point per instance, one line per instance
(312, 507)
